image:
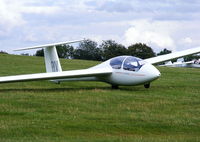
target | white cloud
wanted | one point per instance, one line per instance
(153, 33)
(187, 40)
(40, 9)
(11, 12)
(173, 35)
(172, 24)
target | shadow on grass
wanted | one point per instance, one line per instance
(131, 88)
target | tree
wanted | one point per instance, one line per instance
(64, 51)
(24, 54)
(88, 50)
(111, 49)
(141, 50)
(40, 52)
(191, 57)
(164, 51)
(3, 52)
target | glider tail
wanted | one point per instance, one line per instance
(52, 61)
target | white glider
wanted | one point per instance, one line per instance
(189, 64)
(121, 70)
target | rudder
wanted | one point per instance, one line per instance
(52, 61)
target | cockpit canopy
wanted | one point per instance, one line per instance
(129, 63)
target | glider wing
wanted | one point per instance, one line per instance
(174, 55)
(57, 75)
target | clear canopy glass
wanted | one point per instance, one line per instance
(129, 63)
(116, 62)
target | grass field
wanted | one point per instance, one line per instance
(90, 111)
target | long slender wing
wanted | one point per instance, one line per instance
(174, 55)
(57, 75)
(49, 45)
(177, 64)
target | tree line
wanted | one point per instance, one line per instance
(90, 50)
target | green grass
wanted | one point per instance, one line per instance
(90, 111)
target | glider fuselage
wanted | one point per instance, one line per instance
(125, 70)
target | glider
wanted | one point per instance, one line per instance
(189, 64)
(121, 70)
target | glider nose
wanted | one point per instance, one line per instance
(155, 73)
(151, 72)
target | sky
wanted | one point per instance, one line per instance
(171, 24)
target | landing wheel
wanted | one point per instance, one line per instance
(147, 85)
(115, 87)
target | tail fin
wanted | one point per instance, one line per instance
(52, 61)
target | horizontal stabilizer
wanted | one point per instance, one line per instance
(48, 45)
